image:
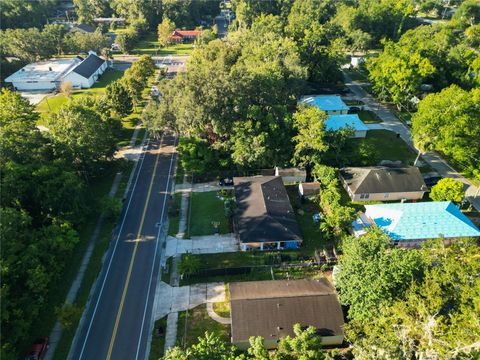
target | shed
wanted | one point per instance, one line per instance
(309, 189)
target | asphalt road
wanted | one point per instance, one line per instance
(117, 322)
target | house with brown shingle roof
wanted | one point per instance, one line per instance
(270, 309)
(383, 183)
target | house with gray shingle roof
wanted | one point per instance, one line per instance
(264, 218)
(84, 75)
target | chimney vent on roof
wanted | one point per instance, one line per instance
(49, 68)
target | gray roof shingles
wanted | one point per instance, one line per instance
(264, 212)
(89, 66)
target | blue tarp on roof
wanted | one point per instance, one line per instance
(325, 102)
(425, 220)
(336, 122)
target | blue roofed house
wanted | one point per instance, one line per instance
(331, 104)
(337, 111)
(337, 122)
(408, 224)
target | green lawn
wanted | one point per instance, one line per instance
(54, 102)
(378, 145)
(158, 339)
(148, 45)
(369, 117)
(174, 214)
(207, 208)
(193, 324)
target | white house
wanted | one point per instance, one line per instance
(48, 75)
(42, 76)
(87, 72)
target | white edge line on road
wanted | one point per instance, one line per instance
(112, 256)
(155, 254)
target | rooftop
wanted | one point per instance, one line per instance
(383, 179)
(88, 66)
(51, 70)
(336, 122)
(264, 212)
(271, 308)
(325, 102)
(424, 220)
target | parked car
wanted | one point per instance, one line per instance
(354, 110)
(38, 349)
(228, 181)
(432, 180)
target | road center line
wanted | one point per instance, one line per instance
(113, 252)
(132, 260)
(155, 254)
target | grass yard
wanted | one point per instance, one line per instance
(54, 102)
(167, 272)
(158, 339)
(223, 308)
(206, 208)
(193, 324)
(378, 145)
(148, 45)
(369, 117)
(174, 214)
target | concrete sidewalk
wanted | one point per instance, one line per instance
(201, 187)
(392, 123)
(210, 244)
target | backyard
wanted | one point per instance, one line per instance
(369, 117)
(148, 45)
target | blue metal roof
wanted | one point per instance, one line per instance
(424, 220)
(336, 122)
(325, 102)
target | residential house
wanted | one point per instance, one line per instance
(408, 224)
(337, 122)
(383, 183)
(83, 28)
(331, 104)
(270, 309)
(42, 76)
(185, 36)
(308, 190)
(264, 218)
(87, 72)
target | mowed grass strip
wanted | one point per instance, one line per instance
(158, 341)
(206, 209)
(98, 189)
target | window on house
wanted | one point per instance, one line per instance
(364, 196)
(386, 195)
